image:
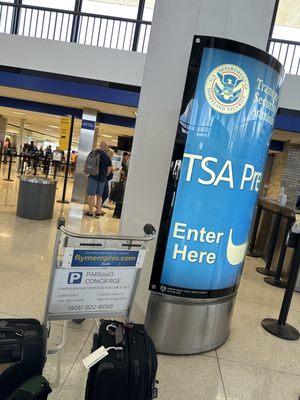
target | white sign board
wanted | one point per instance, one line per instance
(91, 290)
(117, 166)
(94, 281)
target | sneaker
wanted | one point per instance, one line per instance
(97, 215)
(89, 214)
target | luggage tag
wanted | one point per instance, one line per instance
(98, 355)
(94, 357)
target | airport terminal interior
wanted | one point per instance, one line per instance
(190, 132)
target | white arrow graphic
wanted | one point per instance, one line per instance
(235, 253)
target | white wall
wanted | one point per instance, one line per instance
(72, 59)
(128, 67)
(290, 93)
(174, 24)
(247, 21)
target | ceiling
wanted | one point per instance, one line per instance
(288, 13)
(66, 101)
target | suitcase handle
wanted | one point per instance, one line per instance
(10, 351)
(117, 331)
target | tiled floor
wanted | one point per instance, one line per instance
(251, 365)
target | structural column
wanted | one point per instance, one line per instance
(21, 135)
(87, 141)
(175, 23)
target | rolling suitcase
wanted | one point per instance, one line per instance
(117, 192)
(22, 353)
(118, 210)
(36, 388)
(127, 373)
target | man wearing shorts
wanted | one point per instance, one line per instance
(96, 183)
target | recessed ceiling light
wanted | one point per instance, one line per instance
(106, 135)
(19, 113)
(53, 126)
(134, 113)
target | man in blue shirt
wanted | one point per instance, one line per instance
(96, 183)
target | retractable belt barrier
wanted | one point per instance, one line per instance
(27, 159)
(273, 277)
(276, 280)
(9, 168)
(279, 327)
(93, 276)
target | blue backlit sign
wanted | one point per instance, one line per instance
(228, 124)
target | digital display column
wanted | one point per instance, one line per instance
(226, 122)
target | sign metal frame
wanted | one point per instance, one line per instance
(68, 240)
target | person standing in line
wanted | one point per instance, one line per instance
(48, 157)
(107, 187)
(98, 166)
(6, 147)
(125, 163)
(122, 185)
(73, 162)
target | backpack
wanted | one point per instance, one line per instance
(92, 164)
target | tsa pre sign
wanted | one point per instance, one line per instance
(92, 290)
(227, 122)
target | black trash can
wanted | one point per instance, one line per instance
(36, 197)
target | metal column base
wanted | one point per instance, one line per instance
(188, 326)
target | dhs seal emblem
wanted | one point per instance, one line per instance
(227, 89)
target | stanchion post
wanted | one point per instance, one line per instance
(19, 161)
(47, 166)
(274, 234)
(63, 199)
(35, 166)
(22, 164)
(279, 327)
(251, 252)
(9, 169)
(1, 153)
(55, 170)
(276, 280)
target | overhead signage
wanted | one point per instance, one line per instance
(64, 133)
(227, 122)
(87, 124)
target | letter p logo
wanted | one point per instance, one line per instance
(75, 278)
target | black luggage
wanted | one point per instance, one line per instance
(22, 352)
(127, 374)
(36, 388)
(118, 210)
(117, 192)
